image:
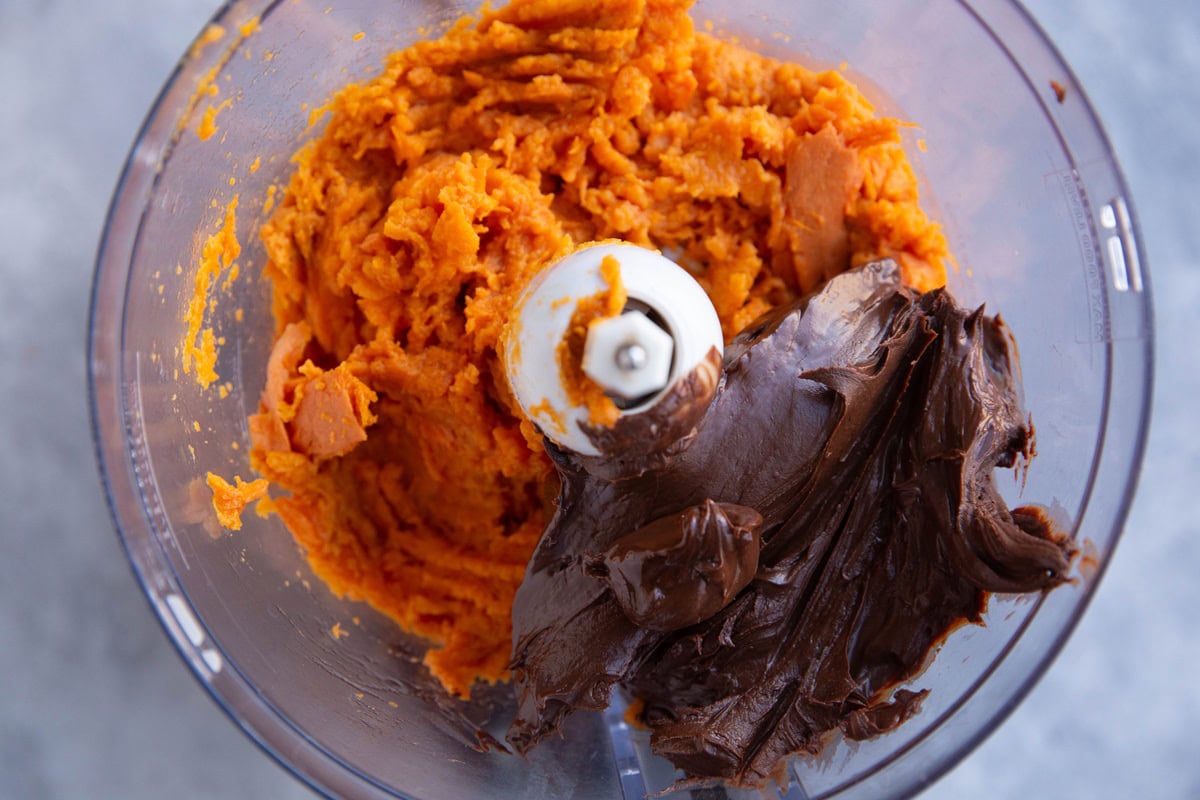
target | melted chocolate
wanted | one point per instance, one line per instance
(683, 568)
(863, 425)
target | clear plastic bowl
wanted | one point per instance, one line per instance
(1038, 216)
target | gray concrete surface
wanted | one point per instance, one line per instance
(95, 703)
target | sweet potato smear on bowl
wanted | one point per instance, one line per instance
(438, 190)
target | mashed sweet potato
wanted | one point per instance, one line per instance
(435, 193)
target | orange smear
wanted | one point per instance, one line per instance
(230, 500)
(545, 410)
(633, 714)
(217, 255)
(211, 35)
(208, 121)
(582, 390)
(248, 27)
(206, 86)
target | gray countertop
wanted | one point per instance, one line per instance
(94, 702)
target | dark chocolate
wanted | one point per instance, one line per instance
(863, 424)
(683, 568)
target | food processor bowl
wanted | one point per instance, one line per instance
(1011, 159)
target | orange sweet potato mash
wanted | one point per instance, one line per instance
(435, 193)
